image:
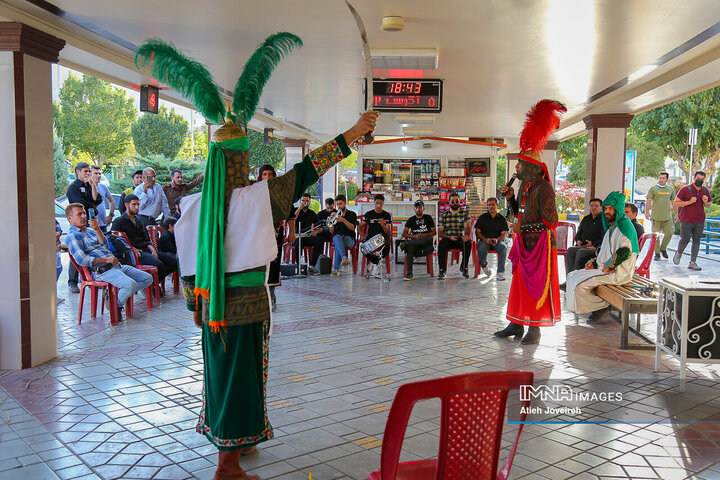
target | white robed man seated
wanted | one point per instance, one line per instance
(614, 264)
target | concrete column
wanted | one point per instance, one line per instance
(605, 154)
(28, 317)
(549, 159)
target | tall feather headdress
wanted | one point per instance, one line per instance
(193, 80)
(541, 120)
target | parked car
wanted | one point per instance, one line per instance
(61, 218)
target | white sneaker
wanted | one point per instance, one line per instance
(486, 270)
(345, 262)
(335, 273)
(501, 276)
(376, 271)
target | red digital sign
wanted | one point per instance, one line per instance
(149, 98)
(407, 95)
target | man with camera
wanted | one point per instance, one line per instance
(89, 248)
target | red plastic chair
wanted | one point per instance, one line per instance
(151, 269)
(476, 256)
(154, 232)
(644, 268)
(428, 262)
(473, 410)
(97, 286)
(563, 236)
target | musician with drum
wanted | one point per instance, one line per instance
(377, 225)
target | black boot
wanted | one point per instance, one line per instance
(597, 315)
(532, 337)
(512, 330)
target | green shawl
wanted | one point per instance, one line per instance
(617, 201)
(210, 276)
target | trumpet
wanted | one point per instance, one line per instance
(329, 222)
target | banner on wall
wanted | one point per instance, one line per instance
(629, 183)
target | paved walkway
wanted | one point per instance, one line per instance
(123, 402)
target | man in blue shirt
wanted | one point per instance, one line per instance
(90, 248)
(153, 201)
(104, 216)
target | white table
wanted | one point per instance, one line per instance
(688, 326)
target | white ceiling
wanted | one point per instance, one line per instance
(497, 57)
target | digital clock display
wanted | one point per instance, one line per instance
(407, 95)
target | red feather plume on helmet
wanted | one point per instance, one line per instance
(542, 119)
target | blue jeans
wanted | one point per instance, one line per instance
(127, 279)
(58, 266)
(483, 248)
(341, 242)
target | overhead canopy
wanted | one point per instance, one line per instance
(496, 57)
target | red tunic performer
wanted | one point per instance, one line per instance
(534, 293)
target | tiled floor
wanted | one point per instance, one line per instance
(122, 402)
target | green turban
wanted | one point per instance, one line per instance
(617, 201)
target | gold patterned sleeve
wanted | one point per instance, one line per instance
(288, 188)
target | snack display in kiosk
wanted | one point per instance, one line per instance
(400, 180)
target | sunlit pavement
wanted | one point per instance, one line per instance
(123, 402)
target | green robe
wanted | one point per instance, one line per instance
(235, 362)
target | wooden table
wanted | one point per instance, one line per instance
(628, 299)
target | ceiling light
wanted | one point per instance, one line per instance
(393, 23)
(404, 147)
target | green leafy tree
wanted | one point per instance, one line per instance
(60, 166)
(573, 153)
(94, 117)
(163, 166)
(260, 154)
(668, 126)
(161, 134)
(196, 151)
(650, 155)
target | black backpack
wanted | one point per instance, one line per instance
(121, 250)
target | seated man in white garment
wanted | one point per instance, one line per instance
(615, 262)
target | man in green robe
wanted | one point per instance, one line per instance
(235, 342)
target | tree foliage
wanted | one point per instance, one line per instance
(161, 134)
(60, 166)
(573, 153)
(260, 154)
(197, 152)
(650, 154)
(94, 117)
(669, 126)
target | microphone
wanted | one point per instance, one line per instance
(512, 179)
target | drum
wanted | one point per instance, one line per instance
(373, 246)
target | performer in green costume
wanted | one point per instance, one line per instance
(226, 240)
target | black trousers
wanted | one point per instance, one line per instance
(316, 242)
(165, 263)
(446, 244)
(417, 247)
(576, 257)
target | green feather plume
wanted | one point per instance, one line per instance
(186, 75)
(257, 72)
